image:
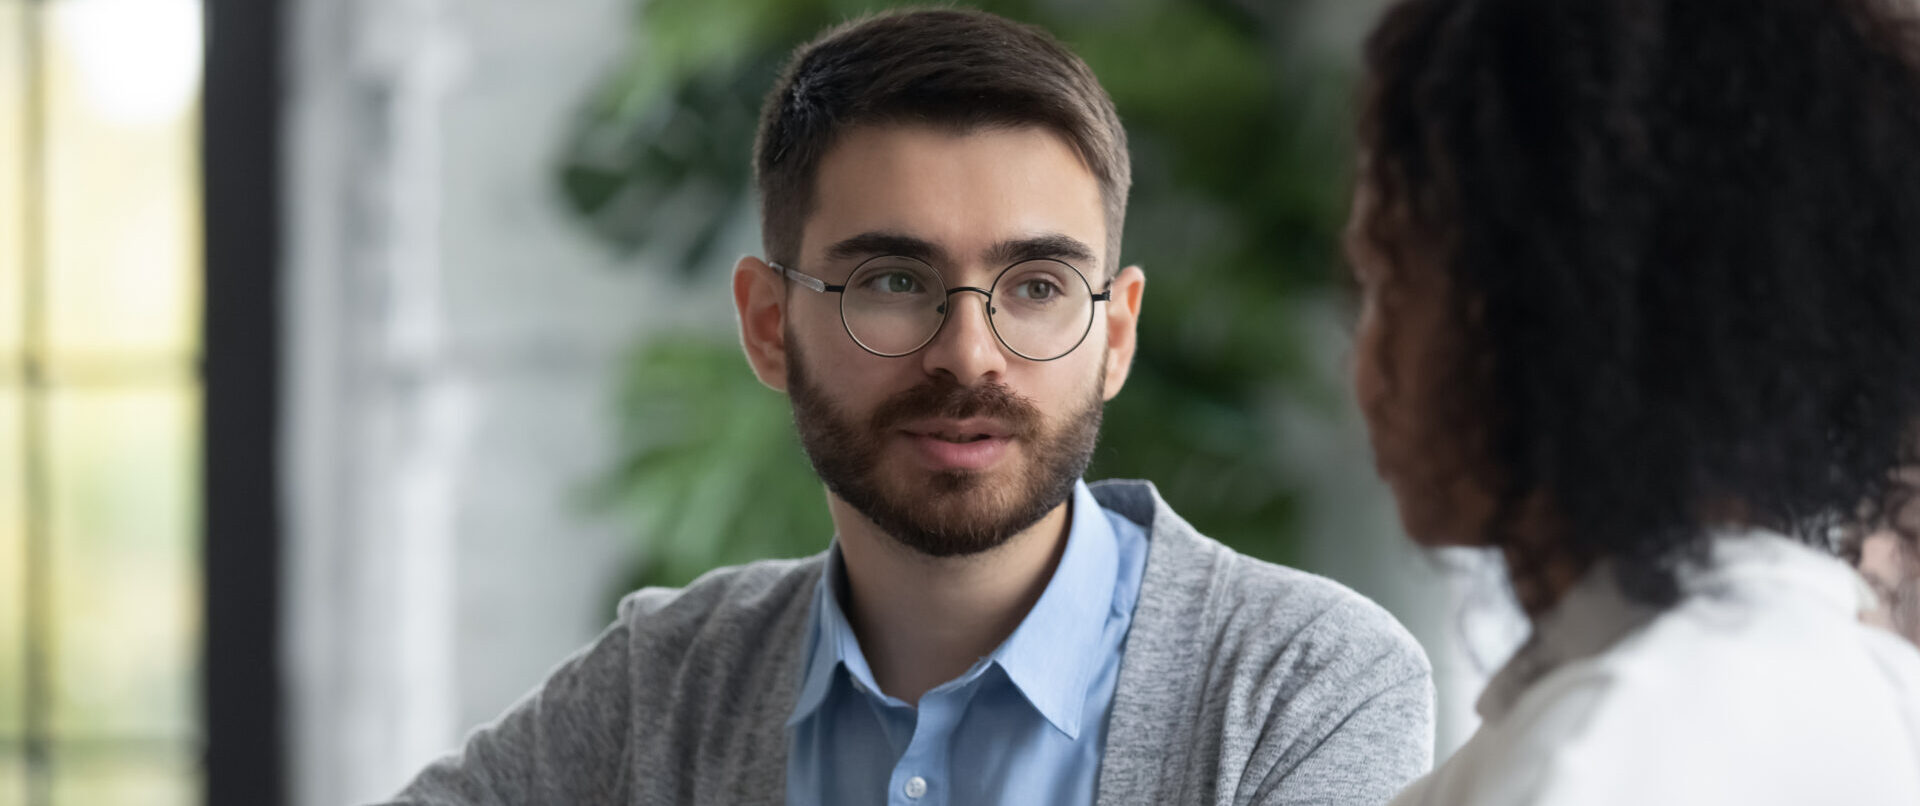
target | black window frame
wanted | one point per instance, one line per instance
(242, 738)
(240, 160)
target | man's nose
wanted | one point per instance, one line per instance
(966, 347)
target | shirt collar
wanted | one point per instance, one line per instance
(1050, 658)
(1052, 655)
(1594, 614)
(830, 642)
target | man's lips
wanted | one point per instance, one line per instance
(972, 444)
(959, 431)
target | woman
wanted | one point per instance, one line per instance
(1890, 566)
(1641, 310)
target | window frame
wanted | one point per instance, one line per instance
(241, 341)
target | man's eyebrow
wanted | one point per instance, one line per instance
(875, 244)
(1051, 245)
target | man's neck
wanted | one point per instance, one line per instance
(923, 621)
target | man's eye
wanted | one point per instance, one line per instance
(895, 283)
(1038, 290)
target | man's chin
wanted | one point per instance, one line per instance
(948, 495)
(953, 514)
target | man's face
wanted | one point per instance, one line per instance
(954, 448)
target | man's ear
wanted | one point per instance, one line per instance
(759, 297)
(1123, 320)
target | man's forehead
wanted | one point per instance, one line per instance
(869, 150)
(992, 193)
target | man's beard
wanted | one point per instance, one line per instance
(956, 512)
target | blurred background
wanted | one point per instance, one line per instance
(356, 356)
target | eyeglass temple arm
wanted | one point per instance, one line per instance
(807, 280)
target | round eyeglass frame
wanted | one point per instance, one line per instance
(818, 285)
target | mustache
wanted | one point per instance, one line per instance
(945, 398)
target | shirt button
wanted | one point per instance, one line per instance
(916, 786)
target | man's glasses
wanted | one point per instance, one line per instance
(894, 305)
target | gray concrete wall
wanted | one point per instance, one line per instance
(453, 344)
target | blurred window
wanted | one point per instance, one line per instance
(100, 424)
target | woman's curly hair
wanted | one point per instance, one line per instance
(1682, 240)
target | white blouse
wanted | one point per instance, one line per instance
(1760, 686)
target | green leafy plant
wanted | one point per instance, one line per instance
(1238, 129)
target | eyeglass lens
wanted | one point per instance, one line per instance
(1040, 309)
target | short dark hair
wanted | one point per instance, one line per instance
(952, 68)
(1682, 240)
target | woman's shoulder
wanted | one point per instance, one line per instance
(1712, 701)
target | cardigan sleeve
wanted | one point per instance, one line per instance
(562, 743)
(1381, 746)
(682, 700)
(1352, 720)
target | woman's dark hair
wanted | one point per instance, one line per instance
(1681, 240)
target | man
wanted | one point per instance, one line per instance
(942, 195)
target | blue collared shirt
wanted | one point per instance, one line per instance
(1026, 724)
